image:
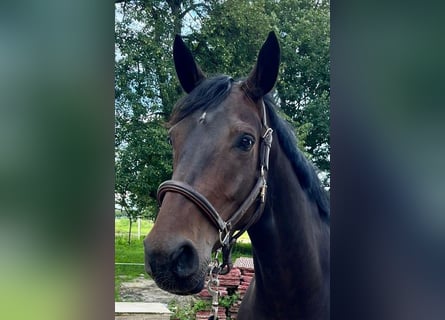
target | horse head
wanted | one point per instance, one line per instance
(217, 133)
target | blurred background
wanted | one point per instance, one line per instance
(57, 142)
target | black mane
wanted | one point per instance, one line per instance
(211, 92)
(208, 94)
(303, 168)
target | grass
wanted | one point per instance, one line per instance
(134, 252)
(121, 227)
(127, 253)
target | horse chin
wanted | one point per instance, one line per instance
(194, 290)
(182, 287)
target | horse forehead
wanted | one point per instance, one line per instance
(237, 107)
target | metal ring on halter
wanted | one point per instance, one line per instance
(224, 241)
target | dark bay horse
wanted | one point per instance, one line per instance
(229, 144)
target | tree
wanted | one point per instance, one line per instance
(230, 36)
(142, 163)
(146, 89)
(304, 88)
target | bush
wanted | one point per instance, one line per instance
(188, 311)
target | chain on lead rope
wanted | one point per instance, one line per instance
(213, 284)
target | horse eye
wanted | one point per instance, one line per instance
(246, 142)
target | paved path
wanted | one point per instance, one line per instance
(145, 290)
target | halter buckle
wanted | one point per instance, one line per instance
(266, 136)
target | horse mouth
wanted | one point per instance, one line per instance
(180, 286)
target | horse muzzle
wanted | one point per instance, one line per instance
(175, 268)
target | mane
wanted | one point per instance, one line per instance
(211, 92)
(207, 95)
(304, 170)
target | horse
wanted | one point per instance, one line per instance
(236, 167)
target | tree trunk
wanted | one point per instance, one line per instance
(129, 231)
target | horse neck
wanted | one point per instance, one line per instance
(290, 242)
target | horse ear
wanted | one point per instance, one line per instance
(262, 78)
(189, 73)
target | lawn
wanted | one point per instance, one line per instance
(121, 227)
(134, 252)
(128, 253)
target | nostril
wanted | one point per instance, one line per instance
(185, 261)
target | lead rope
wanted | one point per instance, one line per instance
(215, 269)
(213, 284)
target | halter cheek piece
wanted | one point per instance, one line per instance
(227, 235)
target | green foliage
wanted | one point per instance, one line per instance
(241, 250)
(187, 311)
(143, 161)
(145, 91)
(304, 85)
(228, 301)
(229, 39)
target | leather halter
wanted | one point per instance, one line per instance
(227, 234)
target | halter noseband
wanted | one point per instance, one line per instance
(227, 235)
